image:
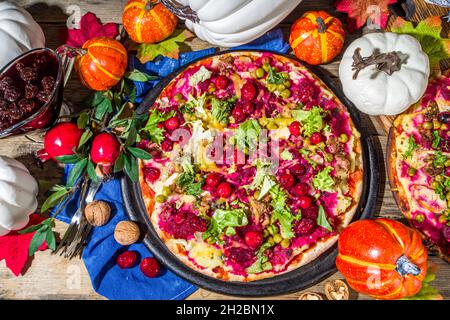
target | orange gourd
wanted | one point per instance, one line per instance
(317, 37)
(101, 63)
(148, 22)
(382, 258)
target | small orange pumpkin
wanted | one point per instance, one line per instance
(382, 258)
(317, 37)
(148, 22)
(102, 63)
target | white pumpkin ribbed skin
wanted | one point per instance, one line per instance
(18, 32)
(230, 23)
(383, 94)
(18, 192)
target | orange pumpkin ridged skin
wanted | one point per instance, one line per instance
(368, 254)
(313, 45)
(148, 26)
(103, 65)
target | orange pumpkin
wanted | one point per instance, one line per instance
(147, 22)
(102, 63)
(317, 37)
(382, 258)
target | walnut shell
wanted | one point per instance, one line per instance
(336, 290)
(310, 296)
(126, 233)
(97, 213)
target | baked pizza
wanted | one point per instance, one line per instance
(256, 166)
(419, 164)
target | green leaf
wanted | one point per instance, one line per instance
(54, 199)
(311, 120)
(139, 153)
(50, 239)
(439, 159)
(276, 77)
(83, 120)
(222, 220)
(132, 136)
(30, 229)
(262, 262)
(428, 33)
(120, 163)
(72, 158)
(436, 139)
(282, 212)
(322, 219)
(412, 145)
(131, 168)
(37, 240)
(103, 107)
(90, 170)
(76, 172)
(168, 47)
(221, 110)
(151, 128)
(323, 180)
(139, 76)
(87, 134)
(247, 134)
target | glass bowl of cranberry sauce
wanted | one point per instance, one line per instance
(31, 92)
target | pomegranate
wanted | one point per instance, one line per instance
(294, 128)
(61, 140)
(224, 190)
(105, 149)
(150, 267)
(253, 239)
(126, 259)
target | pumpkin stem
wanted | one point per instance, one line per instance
(150, 5)
(184, 12)
(322, 26)
(70, 51)
(404, 267)
(387, 62)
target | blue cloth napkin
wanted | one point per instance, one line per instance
(102, 250)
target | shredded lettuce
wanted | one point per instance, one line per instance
(246, 136)
(186, 181)
(281, 212)
(323, 180)
(201, 75)
(286, 155)
(221, 109)
(311, 120)
(224, 221)
(410, 147)
(151, 128)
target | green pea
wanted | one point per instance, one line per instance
(436, 124)
(272, 229)
(272, 87)
(266, 67)
(287, 84)
(427, 125)
(447, 163)
(277, 238)
(343, 138)
(272, 126)
(435, 185)
(270, 241)
(420, 218)
(439, 178)
(286, 93)
(411, 171)
(285, 243)
(166, 191)
(178, 97)
(260, 72)
(161, 198)
(263, 121)
(329, 157)
(281, 87)
(266, 233)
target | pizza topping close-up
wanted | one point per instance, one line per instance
(255, 163)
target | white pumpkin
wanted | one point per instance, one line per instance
(230, 23)
(18, 32)
(18, 192)
(375, 92)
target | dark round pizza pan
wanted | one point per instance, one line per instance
(295, 280)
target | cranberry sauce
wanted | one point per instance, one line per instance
(26, 86)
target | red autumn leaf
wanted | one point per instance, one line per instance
(359, 11)
(90, 27)
(14, 246)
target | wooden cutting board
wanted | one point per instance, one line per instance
(423, 11)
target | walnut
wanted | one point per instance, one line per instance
(126, 233)
(336, 290)
(97, 213)
(310, 296)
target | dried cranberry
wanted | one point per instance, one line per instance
(221, 82)
(224, 190)
(212, 180)
(43, 96)
(167, 145)
(253, 239)
(151, 174)
(11, 94)
(5, 83)
(316, 138)
(48, 83)
(304, 227)
(248, 107)
(300, 189)
(31, 91)
(238, 114)
(150, 267)
(294, 128)
(27, 105)
(248, 92)
(298, 170)
(286, 180)
(28, 74)
(126, 259)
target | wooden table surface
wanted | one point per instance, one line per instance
(53, 277)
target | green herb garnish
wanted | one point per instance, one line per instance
(412, 145)
(221, 109)
(436, 139)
